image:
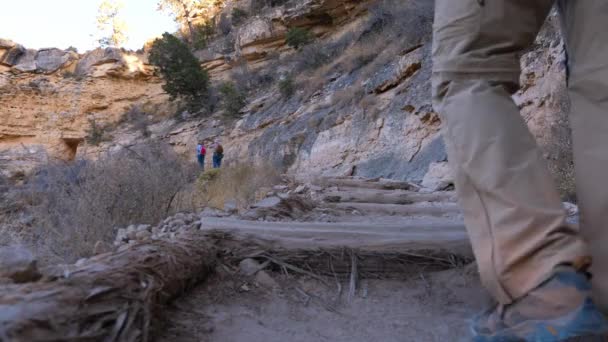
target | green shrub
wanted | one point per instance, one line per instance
(232, 99)
(97, 133)
(297, 37)
(287, 87)
(208, 176)
(201, 34)
(238, 16)
(184, 77)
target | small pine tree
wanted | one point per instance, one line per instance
(297, 37)
(184, 77)
(233, 100)
(287, 87)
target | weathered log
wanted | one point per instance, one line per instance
(387, 197)
(408, 237)
(418, 209)
(110, 297)
(381, 184)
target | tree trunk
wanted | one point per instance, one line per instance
(112, 297)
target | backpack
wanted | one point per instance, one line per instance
(219, 149)
(201, 150)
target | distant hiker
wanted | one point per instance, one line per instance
(218, 155)
(201, 151)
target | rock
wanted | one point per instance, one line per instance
(439, 177)
(268, 202)
(254, 31)
(264, 279)
(27, 61)
(176, 224)
(51, 60)
(100, 248)
(6, 44)
(395, 73)
(283, 195)
(131, 232)
(571, 209)
(143, 235)
(18, 264)
(144, 227)
(81, 262)
(314, 188)
(230, 206)
(280, 187)
(211, 212)
(196, 225)
(249, 267)
(300, 189)
(121, 235)
(12, 56)
(97, 57)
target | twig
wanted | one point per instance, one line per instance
(306, 295)
(331, 266)
(353, 276)
(295, 268)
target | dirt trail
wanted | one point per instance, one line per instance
(293, 304)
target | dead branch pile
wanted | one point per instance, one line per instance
(111, 297)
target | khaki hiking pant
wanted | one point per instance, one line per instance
(512, 209)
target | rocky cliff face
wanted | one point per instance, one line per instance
(49, 97)
(365, 110)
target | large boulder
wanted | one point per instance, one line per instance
(27, 61)
(97, 57)
(50, 60)
(6, 44)
(439, 177)
(255, 31)
(12, 56)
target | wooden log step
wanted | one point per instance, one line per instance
(386, 197)
(418, 209)
(294, 236)
(379, 184)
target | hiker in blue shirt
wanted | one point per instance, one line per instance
(218, 155)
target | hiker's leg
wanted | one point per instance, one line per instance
(512, 210)
(587, 45)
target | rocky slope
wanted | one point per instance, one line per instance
(364, 112)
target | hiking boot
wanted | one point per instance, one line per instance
(559, 310)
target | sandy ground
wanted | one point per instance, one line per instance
(430, 307)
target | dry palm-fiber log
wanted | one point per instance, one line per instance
(112, 297)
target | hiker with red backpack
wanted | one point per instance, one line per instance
(201, 151)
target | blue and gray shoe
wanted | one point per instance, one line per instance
(560, 310)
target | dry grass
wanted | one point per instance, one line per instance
(78, 204)
(242, 184)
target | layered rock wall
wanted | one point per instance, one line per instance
(49, 97)
(374, 120)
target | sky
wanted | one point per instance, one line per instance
(63, 23)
